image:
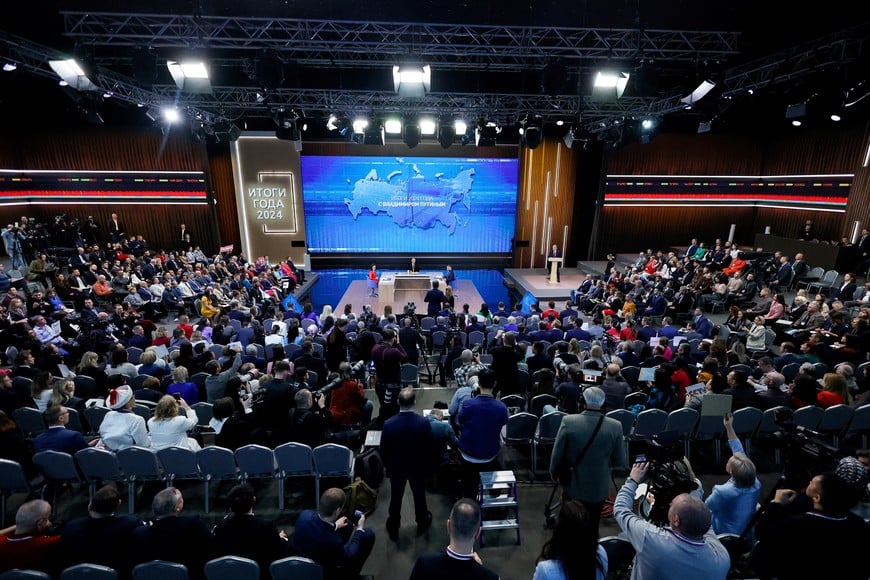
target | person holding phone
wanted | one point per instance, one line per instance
(168, 428)
(733, 503)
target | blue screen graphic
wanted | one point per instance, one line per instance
(409, 205)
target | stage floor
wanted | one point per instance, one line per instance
(537, 281)
(357, 295)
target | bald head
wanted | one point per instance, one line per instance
(689, 516)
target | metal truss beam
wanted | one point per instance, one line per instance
(348, 43)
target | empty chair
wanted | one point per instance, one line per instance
(178, 463)
(295, 568)
(710, 428)
(477, 337)
(626, 418)
(12, 480)
(215, 464)
(17, 574)
(86, 387)
(683, 421)
(835, 421)
(89, 572)
(860, 424)
(294, 460)
(160, 570)
(410, 375)
(650, 422)
(75, 421)
(637, 398)
(57, 467)
(138, 464)
(232, 568)
(94, 416)
(332, 460)
(768, 428)
(814, 275)
(620, 555)
(808, 417)
(545, 436)
(514, 403)
(828, 279)
(98, 466)
(745, 422)
(204, 413)
(520, 430)
(256, 462)
(30, 421)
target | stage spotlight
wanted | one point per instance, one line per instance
(609, 85)
(191, 76)
(411, 134)
(460, 126)
(796, 111)
(530, 130)
(73, 74)
(410, 80)
(446, 133)
(9, 66)
(427, 126)
(568, 139)
(171, 114)
(393, 127)
(339, 124)
(835, 117)
(224, 130)
(360, 124)
(486, 135)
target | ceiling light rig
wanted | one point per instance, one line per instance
(412, 80)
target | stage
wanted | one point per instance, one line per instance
(536, 281)
(357, 295)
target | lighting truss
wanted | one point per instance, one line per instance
(349, 43)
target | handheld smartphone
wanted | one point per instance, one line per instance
(640, 458)
(177, 396)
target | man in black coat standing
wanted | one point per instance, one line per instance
(407, 446)
(434, 298)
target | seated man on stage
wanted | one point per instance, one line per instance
(414, 267)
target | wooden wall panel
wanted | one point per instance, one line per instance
(226, 208)
(545, 207)
(859, 198)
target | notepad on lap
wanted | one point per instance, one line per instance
(715, 405)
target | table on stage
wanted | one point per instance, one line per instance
(392, 281)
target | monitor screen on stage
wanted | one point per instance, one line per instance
(358, 204)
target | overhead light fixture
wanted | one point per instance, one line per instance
(836, 118)
(9, 66)
(699, 93)
(530, 129)
(341, 125)
(796, 122)
(447, 132)
(191, 76)
(568, 138)
(705, 127)
(226, 130)
(796, 111)
(411, 134)
(411, 80)
(460, 126)
(71, 72)
(393, 126)
(360, 124)
(171, 114)
(486, 135)
(609, 86)
(427, 126)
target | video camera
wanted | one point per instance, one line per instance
(808, 452)
(668, 474)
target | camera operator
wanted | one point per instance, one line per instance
(13, 238)
(347, 401)
(310, 419)
(796, 542)
(689, 549)
(568, 390)
(388, 357)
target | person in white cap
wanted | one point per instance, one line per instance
(122, 427)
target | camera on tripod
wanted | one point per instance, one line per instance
(668, 475)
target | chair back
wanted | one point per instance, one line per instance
(808, 417)
(682, 421)
(217, 350)
(548, 426)
(231, 568)
(160, 570)
(86, 387)
(790, 371)
(143, 411)
(292, 348)
(134, 354)
(426, 323)
(140, 463)
(477, 337)
(520, 429)
(860, 420)
(709, 427)
(636, 398)
(98, 465)
(30, 421)
(620, 554)
(514, 403)
(217, 463)
(89, 572)
(333, 460)
(626, 418)
(539, 401)
(650, 422)
(630, 374)
(94, 416)
(410, 374)
(294, 459)
(12, 477)
(767, 425)
(295, 568)
(836, 418)
(178, 463)
(57, 466)
(18, 574)
(75, 421)
(204, 413)
(256, 462)
(746, 421)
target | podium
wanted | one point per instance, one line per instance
(555, 264)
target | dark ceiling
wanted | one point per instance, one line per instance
(509, 58)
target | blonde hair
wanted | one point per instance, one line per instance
(89, 359)
(167, 408)
(180, 375)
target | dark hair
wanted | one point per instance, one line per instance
(241, 498)
(837, 496)
(574, 542)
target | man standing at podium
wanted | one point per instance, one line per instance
(555, 253)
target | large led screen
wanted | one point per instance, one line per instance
(409, 204)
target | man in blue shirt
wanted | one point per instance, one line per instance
(480, 420)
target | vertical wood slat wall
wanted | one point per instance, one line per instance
(545, 204)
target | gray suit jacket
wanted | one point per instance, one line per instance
(590, 480)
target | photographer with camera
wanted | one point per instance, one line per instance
(388, 357)
(13, 238)
(347, 401)
(686, 549)
(588, 446)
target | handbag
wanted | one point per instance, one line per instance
(565, 468)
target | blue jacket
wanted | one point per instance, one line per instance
(59, 439)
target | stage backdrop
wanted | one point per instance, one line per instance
(357, 204)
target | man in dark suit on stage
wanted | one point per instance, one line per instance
(407, 450)
(434, 298)
(555, 253)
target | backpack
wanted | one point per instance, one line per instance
(360, 497)
(369, 466)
